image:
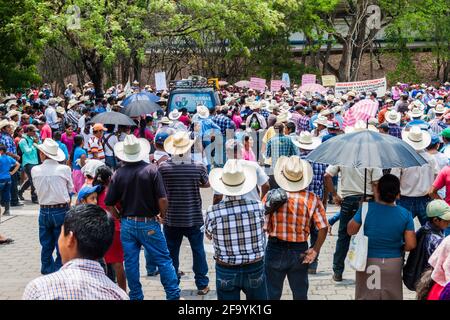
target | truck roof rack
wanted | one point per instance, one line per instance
(189, 84)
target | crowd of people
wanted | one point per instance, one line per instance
(105, 191)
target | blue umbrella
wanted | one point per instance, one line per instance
(141, 96)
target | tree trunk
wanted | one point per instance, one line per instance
(94, 68)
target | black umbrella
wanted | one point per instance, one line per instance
(114, 118)
(139, 107)
(367, 149)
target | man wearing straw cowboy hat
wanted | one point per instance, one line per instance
(139, 189)
(53, 183)
(237, 267)
(183, 178)
(176, 124)
(415, 182)
(287, 252)
(437, 125)
(393, 119)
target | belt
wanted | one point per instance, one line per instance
(141, 219)
(54, 206)
(286, 243)
(224, 264)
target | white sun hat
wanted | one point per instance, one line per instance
(392, 116)
(132, 149)
(417, 138)
(306, 141)
(292, 173)
(202, 111)
(174, 115)
(234, 179)
(51, 149)
(415, 113)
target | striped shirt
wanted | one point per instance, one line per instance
(291, 222)
(78, 279)
(95, 146)
(236, 226)
(182, 182)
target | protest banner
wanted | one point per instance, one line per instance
(328, 81)
(376, 85)
(285, 78)
(258, 84)
(308, 78)
(275, 85)
(160, 81)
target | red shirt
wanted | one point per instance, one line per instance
(185, 120)
(435, 292)
(443, 180)
(46, 132)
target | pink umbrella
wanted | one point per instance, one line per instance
(313, 87)
(242, 84)
(222, 83)
(362, 110)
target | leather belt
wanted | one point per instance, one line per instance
(141, 219)
(219, 262)
(54, 206)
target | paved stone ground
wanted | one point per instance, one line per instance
(20, 263)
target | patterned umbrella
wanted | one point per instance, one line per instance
(242, 84)
(313, 87)
(362, 110)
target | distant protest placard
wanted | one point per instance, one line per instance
(328, 81)
(275, 85)
(286, 79)
(258, 84)
(377, 85)
(308, 78)
(160, 81)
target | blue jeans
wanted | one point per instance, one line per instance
(417, 206)
(14, 192)
(349, 207)
(134, 235)
(50, 222)
(248, 278)
(285, 259)
(5, 191)
(149, 264)
(312, 241)
(110, 161)
(334, 218)
(174, 236)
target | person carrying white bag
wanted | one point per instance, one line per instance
(376, 253)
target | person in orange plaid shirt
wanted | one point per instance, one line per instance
(287, 252)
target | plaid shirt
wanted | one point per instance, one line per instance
(291, 222)
(236, 226)
(280, 145)
(304, 124)
(395, 130)
(317, 184)
(78, 279)
(8, 142)
(224, 123)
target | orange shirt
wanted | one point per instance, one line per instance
(292, 221)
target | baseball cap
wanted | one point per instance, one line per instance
(87, 190)
(446, 133)
(98, 127)
(434, 139)
(161, 137)
(438, 209)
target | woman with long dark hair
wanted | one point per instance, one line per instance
(78, 159)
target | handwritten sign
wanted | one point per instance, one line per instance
(275, 85)
(285, 78)
(377, 85)
(328, 81)
(308, 78)
(160, 81)
(258, 84)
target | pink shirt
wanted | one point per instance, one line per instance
(185, 120)
(248, 155)
(68, 141)
(435, 292)
(237, 120)
(46, 132)
(443, 180)
(148, 135)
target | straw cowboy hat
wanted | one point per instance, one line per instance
(417, 138)
(284, 117)
(293, 174)
(415, 113)
(60, 110)
(165, 120)
(234, 179)
(338, 109)
(202, 111)
(73, 103)
(4, 123)
(440, 109)
(360, 125)
(174, 115)
(351, 94)
(432, 103)
(132, 149)
(392, 116)
(250, 101)
(306, 141)
(51, 149)
(321, 120)
(326, 112)
(12, 113)
(178, 143)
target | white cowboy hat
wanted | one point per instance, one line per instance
(392, 116)
(432, 103)
(338, 109)
(234, 179)
(326, 112)
(255, 105)
(12, 113)
(165, 120)
(202, 111)
(132, 149)
(321, 120)
(250, 101)
(292, 173)
(60, 110)
(360, 125)
(90, 167)
(284, 117)
(440, 109)
(174, 115)
(51, 149)
(415, 113)
(306, 141)
(417, 138)
(178, 143)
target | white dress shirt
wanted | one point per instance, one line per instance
(417, 181)
(53, 182)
